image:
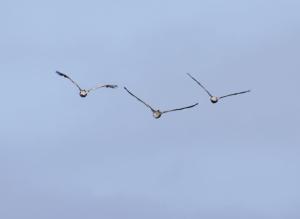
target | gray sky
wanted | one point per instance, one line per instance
(105, 156)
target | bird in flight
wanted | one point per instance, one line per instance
(157, 113)
(215, 99)
(85, 92)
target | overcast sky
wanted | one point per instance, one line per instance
(105, 156)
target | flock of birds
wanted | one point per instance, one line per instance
(156, 112)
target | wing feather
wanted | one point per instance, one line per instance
(235, 94)
(187, 107)
(139, 99)
(66, 76)
(199, 84)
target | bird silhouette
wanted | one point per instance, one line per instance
(158, 113)
(85, 92)
(215, 99)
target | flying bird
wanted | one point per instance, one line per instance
(157, 113)
(215, 99)
(85, 92)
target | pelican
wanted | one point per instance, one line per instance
(215, 99)
(85, 92)
(157, 113)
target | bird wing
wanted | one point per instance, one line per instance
(234, 94)
(66, 76)
(200, 84)
(102, 86)
(187, 107)
(139, 100)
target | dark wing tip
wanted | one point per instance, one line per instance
(247, 91)
(125, 88)
(111, 86)
(188, 74)
(61, 74)
(191, 106)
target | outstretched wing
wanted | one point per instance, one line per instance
(200, 84)
(103, 86)
(235, 94)
(139, 100)
(66, 76)
(187, 107)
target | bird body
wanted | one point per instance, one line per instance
(214, 99)
(83, 93)
(157, 114)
